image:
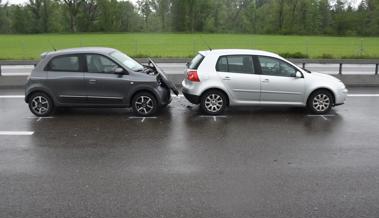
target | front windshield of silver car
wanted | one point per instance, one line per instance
(127, 61)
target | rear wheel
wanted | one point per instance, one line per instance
(320, 102)
(144, 104)
(41, 104)
(213, 102)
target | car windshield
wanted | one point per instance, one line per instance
(127, 61)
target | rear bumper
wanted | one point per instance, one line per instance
(194, 99)
(190, 92)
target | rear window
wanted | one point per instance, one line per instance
(196, 61)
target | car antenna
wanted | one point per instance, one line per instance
(52, 46)
(205, 42)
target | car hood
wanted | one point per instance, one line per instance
(164, 78)
(325, 77)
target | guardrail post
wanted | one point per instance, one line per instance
(0, 69)
(376, 69)
(303, 65)
(340, 70)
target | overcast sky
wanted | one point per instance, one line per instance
(354, 2)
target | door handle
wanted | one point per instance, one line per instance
(227, 78)
(266, 81)
(92, 81)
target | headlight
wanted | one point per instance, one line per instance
(341, 84)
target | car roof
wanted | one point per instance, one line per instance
(100, 50)
(220, 52)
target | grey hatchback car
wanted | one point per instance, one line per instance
(96, 77)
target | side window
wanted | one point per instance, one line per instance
(275, 67)
(69, 63)
(236, 64)
(100, 64)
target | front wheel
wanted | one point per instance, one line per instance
(213, 102)
(144, 104)
(320, 102)
(41, 104)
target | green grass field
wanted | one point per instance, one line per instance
(25, 47)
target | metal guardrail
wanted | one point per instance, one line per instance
(16, 63)
(340, 62)
(303, 62)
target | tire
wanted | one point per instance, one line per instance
(213, 102)
(320, 102)
(144, 104)
(41, 104)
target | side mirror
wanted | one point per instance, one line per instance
(119, 70)
(298, 74)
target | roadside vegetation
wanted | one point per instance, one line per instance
(17, 47)
(179, 28)
(288, 17)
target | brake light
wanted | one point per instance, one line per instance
(192, 76)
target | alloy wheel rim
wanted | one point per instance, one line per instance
(40, 105)
(144, 104)
(321, 102)
(213, 103)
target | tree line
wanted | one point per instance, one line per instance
(302, 17)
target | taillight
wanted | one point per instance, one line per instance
(192, 76)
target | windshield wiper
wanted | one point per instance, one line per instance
(139, 70)
(307, 70)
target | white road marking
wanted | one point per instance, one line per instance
(12, 96)
(213, 117)
(143, 118)
(16, 133)
(325, 117)
(363, 95)
(39, 118)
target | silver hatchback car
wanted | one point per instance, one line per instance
(220, 78)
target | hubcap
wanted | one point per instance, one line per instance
(144, 104)
(214, 103)
(40, 105)
(321, 102)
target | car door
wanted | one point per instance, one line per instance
(66, 79)
(279, 83)
(237, 73)
(103, 85)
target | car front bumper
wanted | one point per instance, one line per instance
(341, 96)
(164, 96)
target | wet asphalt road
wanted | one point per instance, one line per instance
(252, 162)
